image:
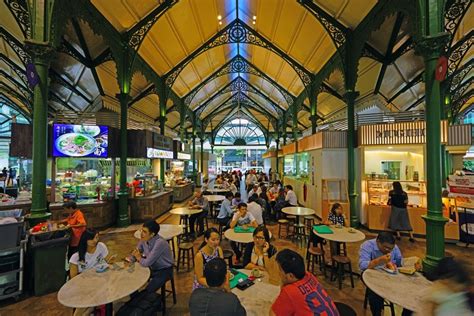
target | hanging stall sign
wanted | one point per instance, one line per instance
(184, 156)
(158, 153)
(398, 133)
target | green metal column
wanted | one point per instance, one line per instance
(194, 158)
(431, 46)
(277, 141)
(202, 155)
(123, 218)
(42, 55)
(162, 161)
(350, 97)
(444, 171)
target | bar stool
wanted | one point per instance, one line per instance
(308, 223)
(315, 255)
(186, 253)
(228, 254)
(173, 248)
(338, 263)
(283, 223)
(165, 293)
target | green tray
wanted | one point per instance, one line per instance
(240, 229)
(322, 229)
(233, 283)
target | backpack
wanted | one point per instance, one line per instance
(141, 304)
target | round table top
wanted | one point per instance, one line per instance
(298, 211)
(217, 190)
(167, 231)
(90, 288)
(405, 290)
(342, 235)
(243, 238)
(185, 211)
(215, 198)
(257, 299)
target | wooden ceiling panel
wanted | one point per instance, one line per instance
(466, 25)
(125, 13)
(139, 83)
(336, 81)
(328, 104)
(214, 103)
(148, 105)
(107, 73)
(209, 89)
(9, 23)
(368, 73)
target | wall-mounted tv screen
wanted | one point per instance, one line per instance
(80, 140)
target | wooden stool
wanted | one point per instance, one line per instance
(315, 255)
(228, 254)
(165, 293)
(221, 229)
(338, 263)
(173, 249)
(344, 309)
(185, 251)
(283, 223)
(308, 223)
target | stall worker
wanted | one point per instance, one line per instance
(154, 252)
(77, 222)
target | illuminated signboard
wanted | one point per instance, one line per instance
(158, 153)
(184, 156)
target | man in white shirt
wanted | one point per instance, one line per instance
(290, 197)
(241, 218)
(255, 209)
(254, 190)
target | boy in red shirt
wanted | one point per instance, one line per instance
(77, 223)
(301, 293)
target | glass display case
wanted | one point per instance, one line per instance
(289, 165)
(178, 169)
(146, 185)
(82, 179)
(378, 190)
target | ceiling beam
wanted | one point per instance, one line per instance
(388, 53)
(85, 48)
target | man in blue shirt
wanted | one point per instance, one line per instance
(378, 253)
(226, 212)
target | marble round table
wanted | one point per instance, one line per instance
(298, 211)
(342, 235)
(404, 290)
(215, 198)
(216, 190)
(257, 299)
(185, 212)
(90, 288)
(243, 238)
(167, 231)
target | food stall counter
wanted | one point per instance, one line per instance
(151, 206)
(182, 192)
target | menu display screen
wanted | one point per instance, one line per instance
(80, 141)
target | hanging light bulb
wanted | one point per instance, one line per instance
(219, 17)
(220, 22)
(254, 17)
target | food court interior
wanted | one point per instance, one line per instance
(136, 112)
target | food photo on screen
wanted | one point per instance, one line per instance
(80, 140)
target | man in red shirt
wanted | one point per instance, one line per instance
(77, 223)
(301, 293)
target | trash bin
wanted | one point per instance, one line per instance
(47, 261)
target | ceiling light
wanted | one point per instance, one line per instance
(220, 22)
(219, 17)
(390, 147)
(253, 22)
(254, 17)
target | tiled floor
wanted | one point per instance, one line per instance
(123, 241)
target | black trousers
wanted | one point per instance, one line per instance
(158, 278)
(235, 248)
(224, 221)
(199, 217)
(376, 304)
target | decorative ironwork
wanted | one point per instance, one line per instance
(454, 14)
(336, 30)
(458, 51)
(66, 48)
(19, 10)
(19, 72)
(138, 32)
(458, 77)
(238, 32)
(15, 45)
